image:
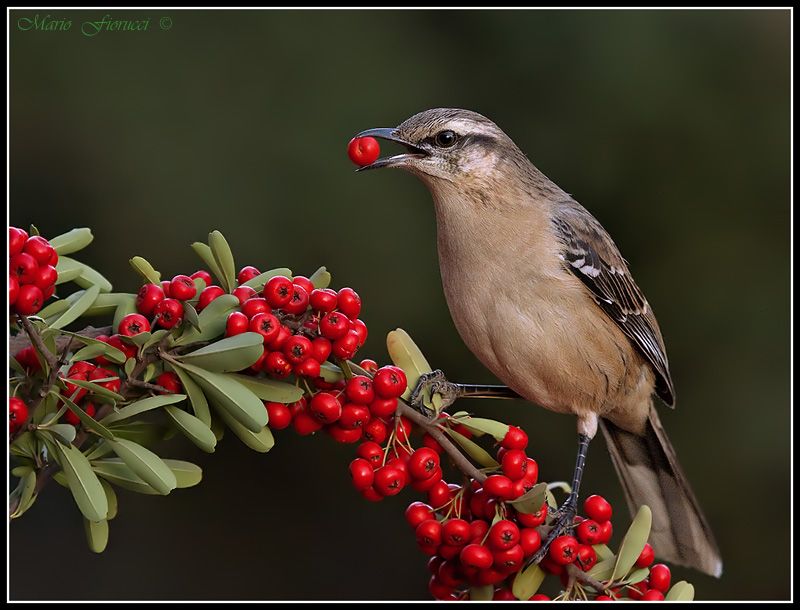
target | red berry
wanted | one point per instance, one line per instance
(587, 557)
(279, 415)
(237, 324)
(101, 373)
(304, 423)
(126, 348)
(277, 365)
(343, 435)
(564, 550)
(597, 508)
(349, 303)
(363, 151)
(389, 480)
(360, 329)
(16, 240)
(345, 347)
(660, 577)
(203, 275)
(389, 382)
(376, 431)
(254, 306)
(646, 557)
(498, 486)
(510, 559)
(266, 325)
(476, 556)
(455, 532)
(334, 325)
(320, 349)
(603, 598)
(39, 248)
(278, 291)
(305, 283)
(246, 274)
(383, 407)
(539, 597)
(353, 416)
(417, 512)
(298, 303)
(359, 390)
(515, 438)
(297, 348)
(28, 359)
(165, 288)
(530, 540)
(503, 535)
(29, 300)
(531, 472)
(13, 289)
(148, 297)
(46, 277)
(533, 519)
(504, 594)
(25, 267)
(209, 294)
(169, 312)
(17, 413)
(244, 293)
(170, 382)
(423, 462)
(308, 368)
(325, 407)
(71, 418)
(588, 532)
(323, 299)
(605, 530)
(372, 452)
(133, 324)
(182, 288)
(361, 473)
(653, 595)
(636, 591)
(369, 365)
(429, 533)
(514, 464)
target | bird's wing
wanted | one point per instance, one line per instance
(589, 252)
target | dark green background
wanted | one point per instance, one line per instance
(672, 127)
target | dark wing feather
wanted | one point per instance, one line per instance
(591, 255)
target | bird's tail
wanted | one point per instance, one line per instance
(650, 474)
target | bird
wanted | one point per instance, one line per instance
(540, 293)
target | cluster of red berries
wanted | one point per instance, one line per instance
(32, 271)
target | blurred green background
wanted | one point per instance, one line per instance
(672, 127)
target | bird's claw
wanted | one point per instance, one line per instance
(563, 522)
(436, 383)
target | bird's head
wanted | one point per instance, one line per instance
(446, 144)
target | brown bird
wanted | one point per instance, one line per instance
(541, 295)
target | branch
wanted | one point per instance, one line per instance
(582, 577)
(20, 342)
(460, 460)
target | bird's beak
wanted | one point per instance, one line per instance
(390, 133)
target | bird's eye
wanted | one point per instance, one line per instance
(445, 139)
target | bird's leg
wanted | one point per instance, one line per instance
(436, 383)
(566, 512)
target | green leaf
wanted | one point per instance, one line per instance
(261, 441)
(154, 338)
(24, 445)
(635, 576)
(141, 406)
(481, 594)
(83, 483)
(115, 471)
(633, 542)
(270, 390)
(106, 303)
(88, 422)
(146, 270)
(473, 450)
(226, 393)
(603, 552)
(192, 428)
(72, 241)
(111, 498)
(146, 464)
(603, 570)
(234, 353)
(88, 353)
(532, 500)
(330, 372)
(680, 592)
(321, 278)
(24, 489)
(97, 389)
(68, 270)
(112, 353)
(150, 372)
(224, 259)
(196, 397)
(65, 432)
(96, 534)
(99, 450)
(527, 582)
(186, 473)
(130, 364)
(204, 252)
(405, 354)
(488, 426)
(23, 469)
(91, 277)
(257, 283)
(77, 308)
(124, 307)
(190, 314)
(218, 428)
(53, 310)
(212, 320)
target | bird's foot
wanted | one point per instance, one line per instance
(433, 383)
(562, 524)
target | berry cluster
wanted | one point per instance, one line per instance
(32, 271)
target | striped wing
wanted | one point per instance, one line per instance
(591, 255)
